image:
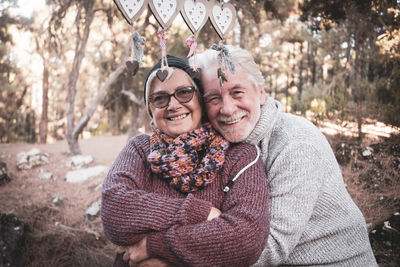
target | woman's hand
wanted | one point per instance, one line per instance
(214, 213)
(135, 253)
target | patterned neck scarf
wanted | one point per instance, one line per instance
(191, 160)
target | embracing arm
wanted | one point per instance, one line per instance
(237, 237)
(295, 183)
(129, 212)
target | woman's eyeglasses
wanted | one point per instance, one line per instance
(182, 94)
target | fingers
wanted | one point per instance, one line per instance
(128, 253)
(214, 213)
(126, 256)
(120, 250)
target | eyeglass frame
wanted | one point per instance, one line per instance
(192, 88)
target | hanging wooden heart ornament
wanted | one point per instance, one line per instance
(165, 11)
(195, 14)
(223, 17)
(131, 9)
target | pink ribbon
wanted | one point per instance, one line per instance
(163, 41)
(191, 42)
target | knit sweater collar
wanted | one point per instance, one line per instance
(270, 113)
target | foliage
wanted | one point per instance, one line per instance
(388, 94)
(314, 55)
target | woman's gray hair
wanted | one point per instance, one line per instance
(240, 57)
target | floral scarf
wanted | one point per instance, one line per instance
(191, 160)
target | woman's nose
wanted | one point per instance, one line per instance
(173, 104)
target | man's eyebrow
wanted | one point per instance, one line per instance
(237, 86)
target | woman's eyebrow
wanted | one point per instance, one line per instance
(176, 88)
(213, 92)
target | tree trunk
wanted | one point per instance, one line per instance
(81, 41)
(300, 86)
(139, 114)
(357, 85)
(72, 138)
(313, 65)
(45, 103)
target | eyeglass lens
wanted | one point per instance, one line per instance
(183, 95)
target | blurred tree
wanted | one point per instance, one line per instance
(359, 17)
(17, 121)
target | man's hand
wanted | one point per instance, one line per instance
(214, 213)
(135, 253)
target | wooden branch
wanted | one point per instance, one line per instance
(110, 80)
(69, 228)
(132, 97)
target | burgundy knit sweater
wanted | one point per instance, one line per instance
(137, 203)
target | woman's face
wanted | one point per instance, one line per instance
(175, 118)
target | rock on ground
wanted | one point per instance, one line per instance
(79, 161)
(93, 211)
(4, 177)
(46, 175)
(30, 159)
(84, 174)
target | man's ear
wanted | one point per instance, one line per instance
(263, 96)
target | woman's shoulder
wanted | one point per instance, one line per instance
(142, 139)
(242, 147)
(139, 142)
(241, 152)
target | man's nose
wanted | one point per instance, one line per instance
(228, 106)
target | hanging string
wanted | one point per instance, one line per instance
(163, 46)
(225, 62)
(137, 50)
(135, 59)
(224, 57)
(192, 43)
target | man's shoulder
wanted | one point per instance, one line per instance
(296, 129)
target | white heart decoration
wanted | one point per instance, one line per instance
(195, 14)
(223, 18)
(165, 11)
(131, 9)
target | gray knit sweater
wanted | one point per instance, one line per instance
(313, 220)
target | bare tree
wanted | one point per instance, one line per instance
(80, 47)
(74, 130)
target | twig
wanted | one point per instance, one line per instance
(69, 228)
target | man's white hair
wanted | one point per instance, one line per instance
(240, 57)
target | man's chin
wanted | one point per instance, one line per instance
(234, 137)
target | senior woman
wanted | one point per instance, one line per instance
(165, 195)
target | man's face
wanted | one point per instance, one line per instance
(234, 108)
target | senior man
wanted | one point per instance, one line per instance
(314, 221)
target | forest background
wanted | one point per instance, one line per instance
(62, 63)
(64, 88)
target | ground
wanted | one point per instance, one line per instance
(63, 236)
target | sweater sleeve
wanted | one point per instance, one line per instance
(238, 236)
(129, 212)
(295, 183)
